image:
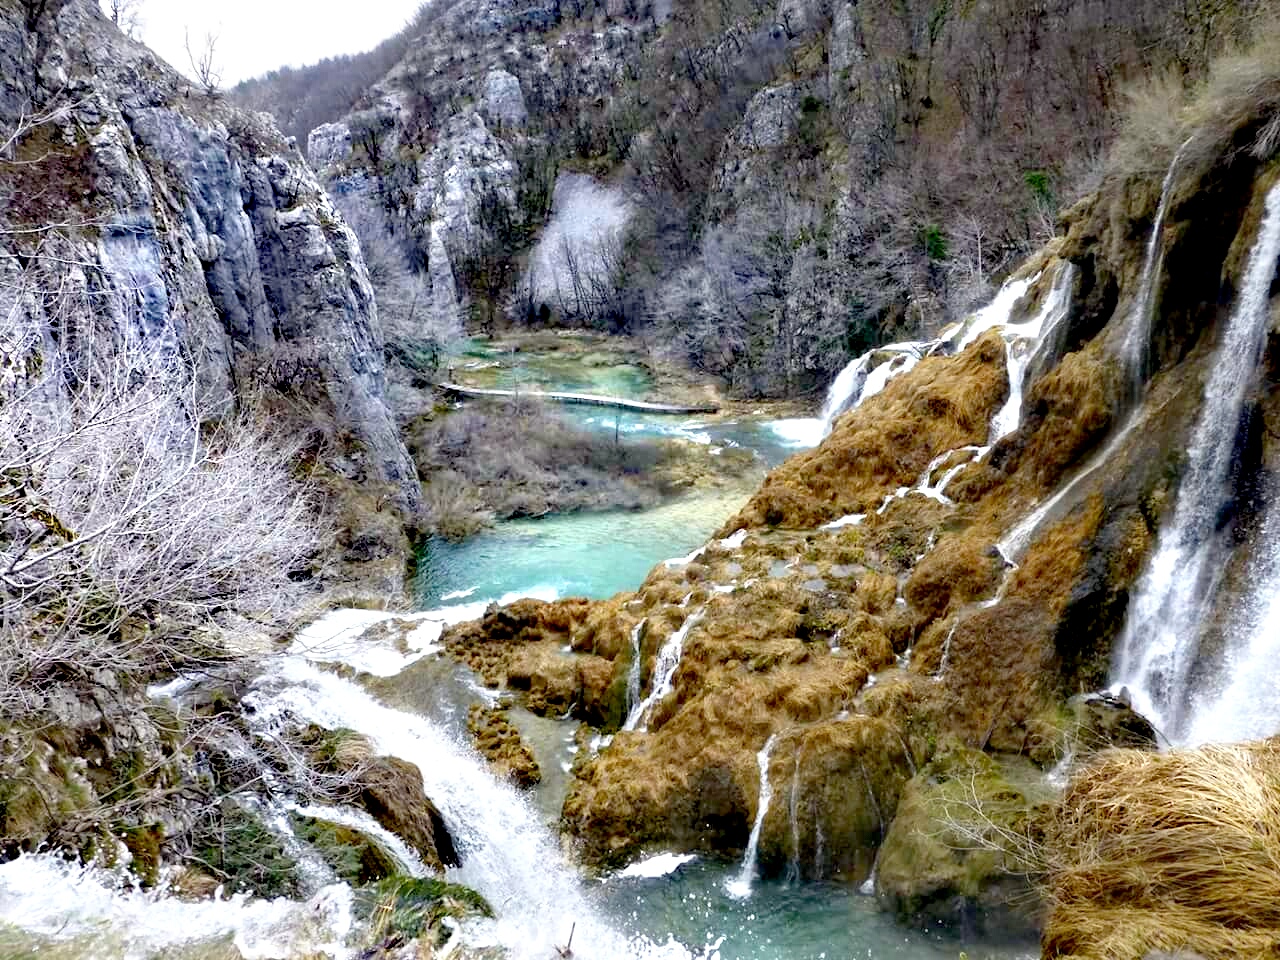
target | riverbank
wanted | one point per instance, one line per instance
(487, 460)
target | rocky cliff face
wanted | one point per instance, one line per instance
(195, 228)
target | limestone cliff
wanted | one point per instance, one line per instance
(195, 227)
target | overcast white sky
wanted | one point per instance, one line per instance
(255, 36)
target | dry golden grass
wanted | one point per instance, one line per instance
(1074, 408)
(1235, 109)
(1161, 851)
(944, 403)
(958, 570)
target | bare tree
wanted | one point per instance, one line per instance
(123, 498)
(204, 64)
(414, 325)
(125, 14)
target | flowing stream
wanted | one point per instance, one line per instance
(1137, 341)
(412, 703)
(1161, 635)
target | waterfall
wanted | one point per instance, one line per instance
(1023, 344)
(1137, 338)
(633, 673)
(740, 886)
(508, 854)
(996, 313)
(847, 385)
(1013, 543)
(407, 861)
(863, 378)
(1161, 634)
(945, 660)
(1242, 704)
(664, 671)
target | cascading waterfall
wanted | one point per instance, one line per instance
(862, 378)
(740, 886)
(1023, 343)
(847, 385)
(633, 674)
(1161, 634)
(1241, 702)
(945, 661)
(508, 854)
(664, 671)
(1137, 339)
(354, 819)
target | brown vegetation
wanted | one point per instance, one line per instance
(887, 442)
(1167, 852)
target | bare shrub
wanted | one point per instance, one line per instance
(129, 503)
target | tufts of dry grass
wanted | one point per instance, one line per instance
(944, 403)
(1163, 851)
(1235, 108)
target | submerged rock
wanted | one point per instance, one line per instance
(500, 743)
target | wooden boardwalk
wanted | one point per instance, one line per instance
(587, 399)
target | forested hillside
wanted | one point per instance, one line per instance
(805, 179)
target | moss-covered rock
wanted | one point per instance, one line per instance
(500, 743)
(836, 786)
(389, 788)
(352, 855)
(885, 443)
(957, 851)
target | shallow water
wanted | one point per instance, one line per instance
(583, 555)
(778, 922)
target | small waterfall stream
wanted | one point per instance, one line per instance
(633, 673)
(664, 671)
(1161, 634)
(1137, 341)
(740, 886)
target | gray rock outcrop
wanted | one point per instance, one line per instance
(199, 230)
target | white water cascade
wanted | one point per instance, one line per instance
(508, 854)
(862, 378)
(633, 674)
(1161, 634)
(740, 886)
(1023, 343)
(1241, 701)
(664, 671)
(1137, 338)
(92, 912)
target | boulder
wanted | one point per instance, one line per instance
(958, 852)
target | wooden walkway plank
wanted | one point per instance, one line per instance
(588, 399)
